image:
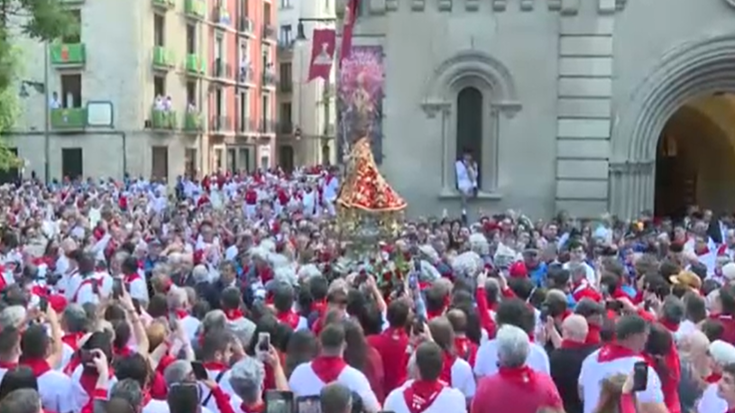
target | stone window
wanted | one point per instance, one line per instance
(469, 126)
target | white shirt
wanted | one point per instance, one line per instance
(487, 359)
(54, 388)
(304, 382)
(224, 384)
(710, 401)
(191, 326)
(448, 400)
(594, 372)
(161, 406)
(462, 377)
(465, 181)
(589, 271)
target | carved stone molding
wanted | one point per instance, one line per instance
(554, 5)
(569, 7)
(507, 107)
(472, 5)
(527, 5)
(500, 5)
(377, 7)
(418, 5)
(606, 6)
(391, 5)
(434, 108)
(628, 167)
(445, 5)
(731, 3)
(620, 4)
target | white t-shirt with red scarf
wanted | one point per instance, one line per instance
(457, 373)
(53, 386)
(308, 379)
(293, 320)
(425, 397)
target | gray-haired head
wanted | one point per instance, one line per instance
(335, 398)
(513, 346)
(177, 299)
(12, 316)
(243, 329)
(21, 401)
(673, 309)
(178, 372)
(75, 318)
(214, 320)
(200, 273)
(722, 353)
(246, 379)
(128, 390)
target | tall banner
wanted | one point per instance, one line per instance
(348, 26)
(360, 100)
(322, 53)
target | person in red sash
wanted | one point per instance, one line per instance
(427, 394)
(392, 344)
(515, 384)
(283, 299)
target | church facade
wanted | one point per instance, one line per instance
(562, 102)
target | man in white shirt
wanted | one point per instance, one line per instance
(467, 173)
(308, 379)
(427, 394)
(576, 257)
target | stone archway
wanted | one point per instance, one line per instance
(692, 69)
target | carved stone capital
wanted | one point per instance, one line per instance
(445, 5)
(620, 4)
(418, 5)
(377, 7)
(472, 5)
(500, 5)
(507, 107)
(433, 108)
(527, 5)
(569, 7)
(391, 5)
(554, 5)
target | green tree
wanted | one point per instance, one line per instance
(37, 19)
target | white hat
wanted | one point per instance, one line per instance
(728, 271)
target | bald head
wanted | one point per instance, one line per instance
(574, 328)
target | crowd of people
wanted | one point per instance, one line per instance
(237, 294)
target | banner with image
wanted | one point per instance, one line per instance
(322, 54)
(360, 100)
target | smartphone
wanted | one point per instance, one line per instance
(640, 376)
(308, 404)
(200, 373)
(279, 401)
(264, 342)
(117, 288)
(43, 304)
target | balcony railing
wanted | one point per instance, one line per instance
(329, 129)
(220, 16)
(285, 46)
(68, 118)
(269, 32)
(286, 86)
(163, 119)
(220, 124)
(285, 127)
(164, 4)
(192, 121)
(221, 70)
(269, 78)
(163, 58)
(267, 126)
(245, 25)
(195, 9)
(67, 54)
(246, 125)
(246, 74)
(195, 64)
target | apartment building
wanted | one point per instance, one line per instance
(306, 110)
(156, 88)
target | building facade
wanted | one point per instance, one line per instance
(306, 110)
(190, 84)
(562, 102)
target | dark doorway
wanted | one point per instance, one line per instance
(159, 159)
(71, 163)
(285, 157)
(469, 125)
(11, 174)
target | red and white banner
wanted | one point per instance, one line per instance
(348, 27)
(322, 53)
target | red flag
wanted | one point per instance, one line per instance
(322, 53)
(347, 27)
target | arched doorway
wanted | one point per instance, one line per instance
(695, 157)
(469, 125)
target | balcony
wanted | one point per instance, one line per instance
(285, 46)
(68, 119)
(163, 58)
(222, 70)
(67, 54)
(269, 33)
(195, 65)
(163, 119)
(286, 86)
(246, 125)
(285, 127)
(221, 17)
(329, 129)
(163, 4)
(245, 25)
(246, 74)
(269, 79)
(192, 122)
(220, 124)
(195, 9)
(267, 126)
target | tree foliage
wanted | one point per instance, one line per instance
(44, 20)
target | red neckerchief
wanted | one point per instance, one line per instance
(39, 366)
(290, 318)
(614, 351)
(713, 378)
(434, 314)
(593, 335)
(396, 333)
(146, 397)
(420, 395)
(233, 315)
(519, 375)
(123, 351)
(572, 344)
(8, 365)
(215, 366)
(672, 327)
(446, 373)
(39, 291)
(88, 380)
(72, 340)
(463, 345)
(132, 277)
(256, 408)
(328, 368)
(319, 306)
(182, 314)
